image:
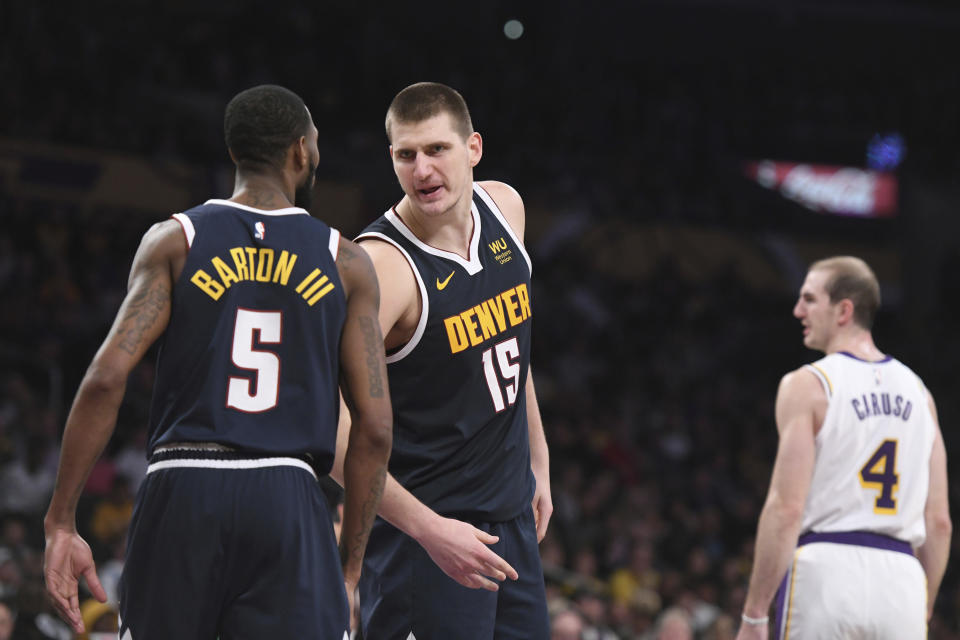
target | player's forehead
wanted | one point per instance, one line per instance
(815, 284)
(436, 128)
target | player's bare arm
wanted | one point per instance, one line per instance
(142, 318)
(935, 551)
(539, 461)
(367, 398)
(511, 205)
(800, 400)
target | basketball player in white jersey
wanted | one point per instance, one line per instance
(855, 531)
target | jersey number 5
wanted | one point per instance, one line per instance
(260, 393)
(880, 473)
(508, 362)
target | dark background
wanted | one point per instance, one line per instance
(664, 278)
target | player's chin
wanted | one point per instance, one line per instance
(434, 208)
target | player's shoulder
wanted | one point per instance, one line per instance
(354, 265)
(384, 252)
(393, 268)
(501, 192)
(507, 198)
(802, 382)
(509, 202)
(164, 236)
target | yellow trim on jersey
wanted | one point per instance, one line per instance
(793, 579)
(825, 377)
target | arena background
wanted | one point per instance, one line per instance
(653, 143)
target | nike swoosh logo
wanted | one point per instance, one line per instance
(443, 285)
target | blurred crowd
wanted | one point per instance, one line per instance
(656, 380)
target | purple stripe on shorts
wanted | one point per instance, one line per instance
(780, 611)
(858, 538)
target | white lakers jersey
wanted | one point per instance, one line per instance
(872, 466)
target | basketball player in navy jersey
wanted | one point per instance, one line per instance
(468, 496)
(856, 526)
(263, 312)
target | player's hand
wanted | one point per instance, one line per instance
(461, 551)
(66, 557)
(753, 632)
(542, 505)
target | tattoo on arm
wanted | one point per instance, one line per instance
(345, 256)
(373, 345)
(142, 312)
(354, 548)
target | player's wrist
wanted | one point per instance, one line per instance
(423, 525)
(61, 520)
(754, 621)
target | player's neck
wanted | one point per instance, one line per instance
(262, 192)
(450, 231)
(858, 343)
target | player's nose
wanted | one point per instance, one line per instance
(422, 166)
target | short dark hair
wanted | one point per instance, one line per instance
(260, 123)
(423, 100)
(850, 278)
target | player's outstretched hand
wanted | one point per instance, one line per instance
(67, 557)
(461, 551)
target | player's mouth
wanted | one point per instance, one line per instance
(429, 191)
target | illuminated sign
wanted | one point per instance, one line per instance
(830, 189)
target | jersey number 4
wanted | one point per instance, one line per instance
(880, 474)
(507, 360)
(259, 393)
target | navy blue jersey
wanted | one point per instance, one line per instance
(460, 438)
(251, 356)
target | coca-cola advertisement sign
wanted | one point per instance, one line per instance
(840, 190)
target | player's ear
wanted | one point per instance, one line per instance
(301, 153)
(475, 148)
(390, 151)
(845, 307)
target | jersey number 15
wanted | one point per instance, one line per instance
(507, 360)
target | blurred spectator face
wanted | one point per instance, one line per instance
(641, 558)
(722, 628)
(674, 627)
(592, 607)
(14, 532)
(585, 562)
(6, 622)
(566, 625)
(11, 576)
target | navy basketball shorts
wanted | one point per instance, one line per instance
(405, 596)
(231, 546)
